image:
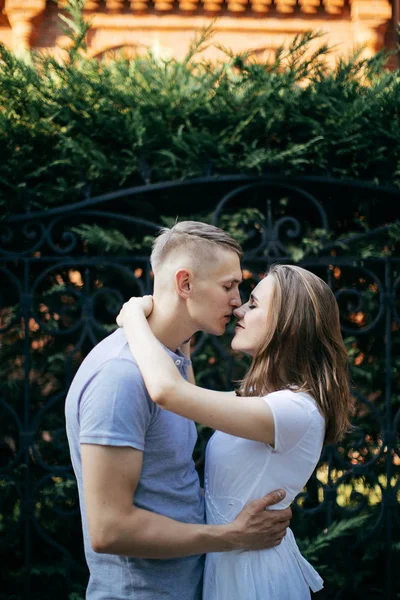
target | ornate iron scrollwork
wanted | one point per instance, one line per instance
(57, 294)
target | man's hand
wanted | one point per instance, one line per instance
(134, 306)
(256, 528)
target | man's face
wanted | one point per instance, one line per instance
(216, 294)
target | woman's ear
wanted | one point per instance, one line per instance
(183, 283)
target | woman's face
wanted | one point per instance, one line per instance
(252, 326)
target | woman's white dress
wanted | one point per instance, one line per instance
(239, 471)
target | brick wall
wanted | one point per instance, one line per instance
(168, 25)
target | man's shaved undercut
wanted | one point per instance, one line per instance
(199, 241)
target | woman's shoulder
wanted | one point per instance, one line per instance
(295, 397)
(297, 420)
(291, 393)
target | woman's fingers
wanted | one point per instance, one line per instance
(129, 310)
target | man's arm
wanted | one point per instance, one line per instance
(117, 526)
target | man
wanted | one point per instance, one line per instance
(139, 492)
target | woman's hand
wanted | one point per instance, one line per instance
(147, 350)
(134, 307)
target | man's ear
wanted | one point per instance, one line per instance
(184, 283)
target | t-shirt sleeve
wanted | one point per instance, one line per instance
(114, 408)
(293, 415)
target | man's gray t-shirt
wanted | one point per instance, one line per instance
(107, 404)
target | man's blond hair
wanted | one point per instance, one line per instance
(199, 239)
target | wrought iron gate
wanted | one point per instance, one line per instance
(60, 294)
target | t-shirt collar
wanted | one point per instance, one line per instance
(178, 357)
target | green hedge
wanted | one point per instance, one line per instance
(66, 125)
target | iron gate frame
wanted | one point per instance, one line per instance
(37, 228)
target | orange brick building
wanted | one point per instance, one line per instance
(168, 25)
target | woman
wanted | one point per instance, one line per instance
(294, 398)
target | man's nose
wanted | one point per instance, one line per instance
(236, 300)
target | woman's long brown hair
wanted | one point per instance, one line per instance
(304, 348)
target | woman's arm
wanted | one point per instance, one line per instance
(249, 418)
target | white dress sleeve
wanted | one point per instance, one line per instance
(293, 414)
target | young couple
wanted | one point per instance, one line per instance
(130, 413)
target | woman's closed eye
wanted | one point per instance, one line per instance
(252, 306)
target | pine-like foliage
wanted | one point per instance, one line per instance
(77, 122)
